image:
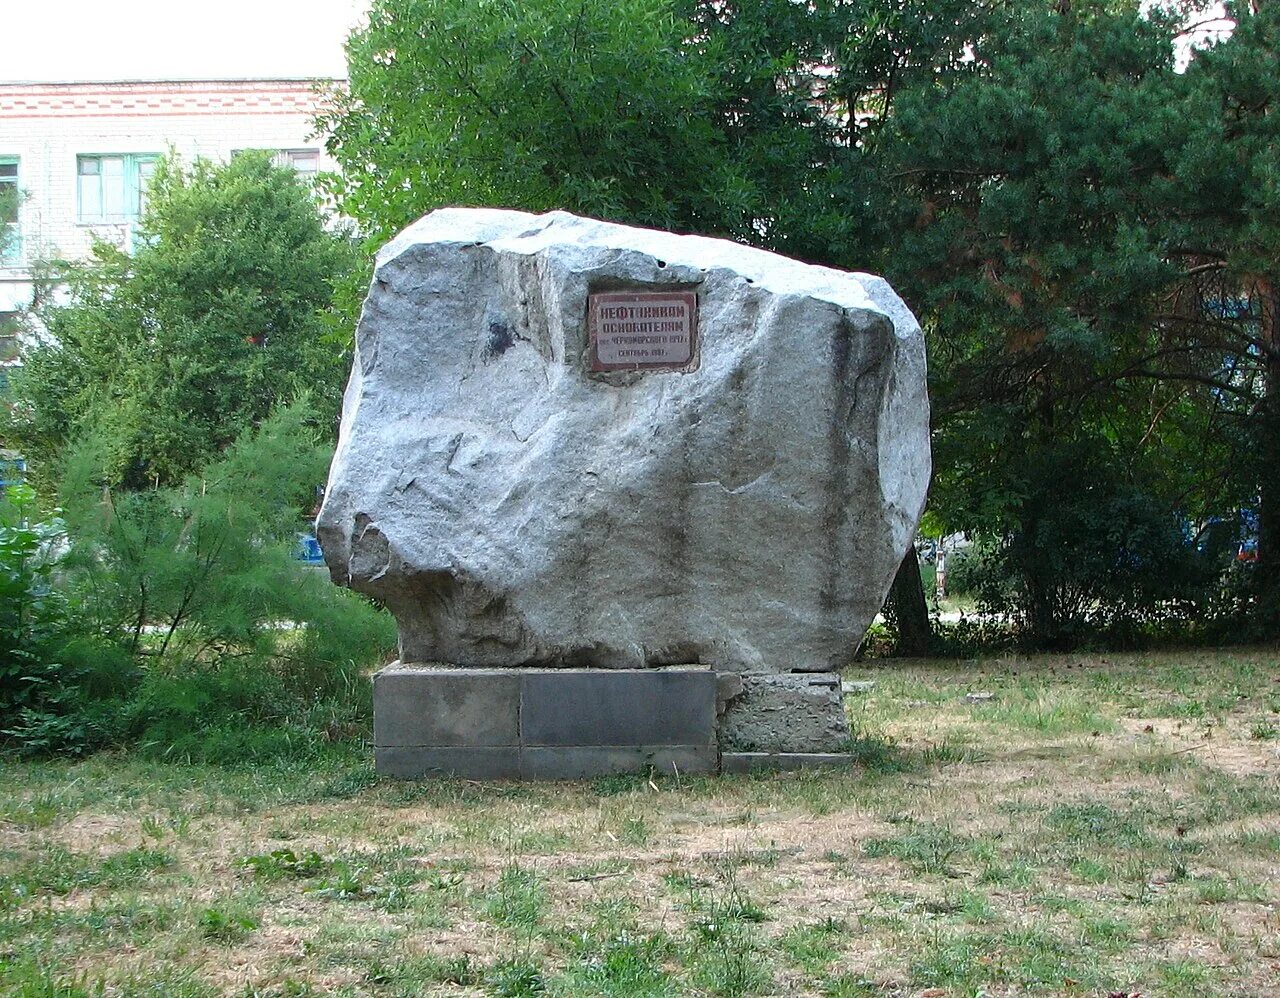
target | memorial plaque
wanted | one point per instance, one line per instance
(642, 330)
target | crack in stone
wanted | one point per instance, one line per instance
(737, 489)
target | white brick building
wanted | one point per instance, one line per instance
(80, 154)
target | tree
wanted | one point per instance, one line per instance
(206, 561)
(691, 116)
(177, 616)
(1091, 235)
(1050, 194)
(1224, 223)
(216, 317)
(1024, 186)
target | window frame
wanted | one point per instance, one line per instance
(9, 330)
(134, 200)
(14, 258)
(284, 158)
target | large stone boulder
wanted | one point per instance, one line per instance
(732, 483)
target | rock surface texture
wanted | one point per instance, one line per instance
(514, 508)
(791, 713)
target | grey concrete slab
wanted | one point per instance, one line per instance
(440, 707)
(582, 761)
(621, 707)
(752, 762)
(470, 762)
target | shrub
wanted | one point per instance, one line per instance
(1094, 558)
(58, 690)
(31, 612)
(177, 620)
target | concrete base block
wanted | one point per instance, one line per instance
(618, 707)
(785, 713)
(469, 762)
(543, 724)
(426, 705)
(779, 762)
(564, 763)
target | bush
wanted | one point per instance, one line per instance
(971, 636)
(238, 712)
(1095, 558)
(85, 702)
(31, 612)
(177, 620)
(299, 693)
(54, 687)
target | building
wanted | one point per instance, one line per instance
(79, 155)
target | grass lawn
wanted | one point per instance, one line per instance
(1102, 825)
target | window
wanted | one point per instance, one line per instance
(304, 162)
(8, 359)
(113, 189)
(13, 470)
(10, 235)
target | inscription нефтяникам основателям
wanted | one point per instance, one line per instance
(641, 330)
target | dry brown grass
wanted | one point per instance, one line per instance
(1103, 825)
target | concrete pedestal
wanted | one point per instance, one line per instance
(549, 724)
(543, 723)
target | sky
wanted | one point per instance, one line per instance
(63, 40)
(66, 40)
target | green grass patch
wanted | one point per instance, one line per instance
(517, 900)
(925, 848)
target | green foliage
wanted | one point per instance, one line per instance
(240, 712)
(515, 978)
(875, 754)
(653, 112)
(31, 613)
(1065, 210)
(211, 553)
(345, 882)
(179, 415)
(620, 964)
(25, 977)
(58, 689)
(58, 871)
(517, 900)
(1091, 553)
(411, 976)
(927, 848)
(228, 927)
(169, 354)
(282, 863)
(1072, 236)
(195, 634)
(1098, 823)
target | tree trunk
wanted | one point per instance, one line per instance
(1267, 569)
(910, 609)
